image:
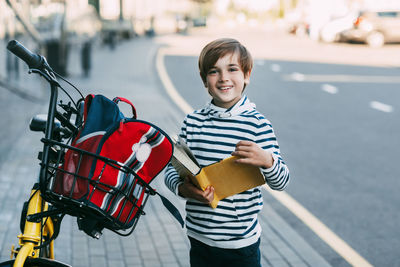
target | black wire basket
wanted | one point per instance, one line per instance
(83, 190)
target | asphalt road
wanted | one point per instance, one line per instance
(338, 129)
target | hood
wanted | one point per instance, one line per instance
(242, 106)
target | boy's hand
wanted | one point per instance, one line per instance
(189, 190)
(250, 153)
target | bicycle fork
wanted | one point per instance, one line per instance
(33, 234)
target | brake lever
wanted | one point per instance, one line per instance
(48, 75)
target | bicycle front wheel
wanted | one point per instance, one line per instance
(36, 262)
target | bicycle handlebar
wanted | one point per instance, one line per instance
(39, 63)
(34, 61)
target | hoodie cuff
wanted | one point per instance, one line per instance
(270, 169)
(177, 191)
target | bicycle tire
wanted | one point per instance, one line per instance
(36, 262)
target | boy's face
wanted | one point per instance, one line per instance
(226, 80)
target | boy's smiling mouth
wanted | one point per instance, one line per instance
(225, 88)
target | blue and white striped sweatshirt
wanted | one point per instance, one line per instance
(212, 134)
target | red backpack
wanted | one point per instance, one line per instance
(111, 162)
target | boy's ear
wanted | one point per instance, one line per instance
(247, 77)
(204, 81)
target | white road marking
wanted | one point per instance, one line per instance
(296, 76)
(381, 106)
(337, 244)
(340, 78)
(172, 92)
(259, 62)
(275, 67)
(329, 88)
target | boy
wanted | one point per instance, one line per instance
(229, 125)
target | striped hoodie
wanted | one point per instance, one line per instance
(212, 133)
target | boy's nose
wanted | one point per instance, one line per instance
(223, 76)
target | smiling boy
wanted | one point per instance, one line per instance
(229, 125)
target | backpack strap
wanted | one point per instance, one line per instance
(88, 101)
(172, 209)
(86, 106)
(118, 99)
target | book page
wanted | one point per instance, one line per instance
(183, 160)
(185, 147)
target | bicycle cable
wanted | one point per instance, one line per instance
(42, 225)
(65, 80)
(55, 234)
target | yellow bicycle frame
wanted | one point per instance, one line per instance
(33, 233)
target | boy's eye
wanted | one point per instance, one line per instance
(233, 69)
(212, 72)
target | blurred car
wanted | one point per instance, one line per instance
(199, 21)
(116, 28)
(182, 23)
(374, 28)
(300, 28)
(331, 31)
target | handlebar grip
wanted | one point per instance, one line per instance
(33, 60)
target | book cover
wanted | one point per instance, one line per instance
(226, 176)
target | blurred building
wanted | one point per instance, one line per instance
(144, 14)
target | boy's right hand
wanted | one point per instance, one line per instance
(189, 190)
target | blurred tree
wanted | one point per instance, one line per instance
(202, 1)
(121, 8)
(281, 8)
(96, 4)
(285, 5)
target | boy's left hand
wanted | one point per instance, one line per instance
(250, 153)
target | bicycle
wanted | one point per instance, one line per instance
(42, 214)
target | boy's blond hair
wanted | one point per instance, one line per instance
(219, 48)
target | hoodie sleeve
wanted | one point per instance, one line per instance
(172, 179)
(277, 176)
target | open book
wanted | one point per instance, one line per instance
(226, 176)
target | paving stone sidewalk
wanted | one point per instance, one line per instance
(158, 239)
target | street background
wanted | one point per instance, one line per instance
(335, 137)
(334, 107)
